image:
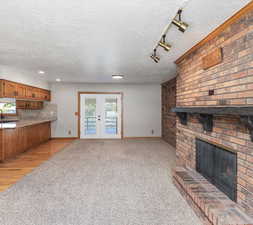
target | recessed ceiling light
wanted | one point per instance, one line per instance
(118, 77)
(41, 72)
(58, 80)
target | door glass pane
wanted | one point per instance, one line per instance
(111, 118)
(90, 116)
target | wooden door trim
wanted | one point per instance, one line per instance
(102, 93)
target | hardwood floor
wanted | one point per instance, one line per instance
(13, 170)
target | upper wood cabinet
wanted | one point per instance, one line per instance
(9, 89)
(32, 105)
(45, 95)
(20, 91)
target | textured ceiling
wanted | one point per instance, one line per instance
(88, 41)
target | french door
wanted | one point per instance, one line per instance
(100, 116)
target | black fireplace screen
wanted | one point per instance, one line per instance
(217, 165)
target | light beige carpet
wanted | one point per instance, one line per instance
(100, 183)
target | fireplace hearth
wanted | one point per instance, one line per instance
(218, 166)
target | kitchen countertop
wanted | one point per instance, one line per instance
(23, 123)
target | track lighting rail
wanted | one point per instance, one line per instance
(182, 26)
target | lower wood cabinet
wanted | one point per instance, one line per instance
(18, 140)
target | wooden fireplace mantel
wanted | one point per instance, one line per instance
(205, 115)
(241, 111)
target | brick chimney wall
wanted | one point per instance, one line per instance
(232, 82)
(168, 117)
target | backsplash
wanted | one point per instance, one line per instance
(49, 111)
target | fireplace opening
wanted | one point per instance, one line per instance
(218, 166)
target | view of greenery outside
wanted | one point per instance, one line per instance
(90, 109)
(8, 108)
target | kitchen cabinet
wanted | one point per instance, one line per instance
(29, 93)
(32, 105)
(36, 105)
(20, 91)
(45, 95)
(20, 104)
(18, 140)
(9, 89)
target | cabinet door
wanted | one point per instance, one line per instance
(21, 104)
(30, 93)
(1, 146)
(39, 105)
(32, 105)
(35, 105)
(9, 89)
(45, 95)
(28, 105)
(45, 132)
(1, 88)
(48, 95)
(20, 91)
(37, 94)
(32, 136)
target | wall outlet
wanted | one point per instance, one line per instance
(211, 92)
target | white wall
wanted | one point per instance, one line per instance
(141, 103)
(24, 77)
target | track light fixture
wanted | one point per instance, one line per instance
(163, 44)
(182, 26)
(177, 21)
(155, 57)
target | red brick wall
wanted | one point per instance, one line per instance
(232, 82)
(169, 118)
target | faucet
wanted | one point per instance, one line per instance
(1, 114)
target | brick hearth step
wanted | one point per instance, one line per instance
(210, 204)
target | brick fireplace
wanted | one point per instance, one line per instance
(227, 85)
